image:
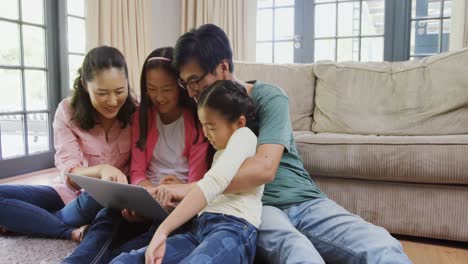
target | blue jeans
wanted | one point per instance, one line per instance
(321, 231)
(214, 238)
(106, 238)
(39, 211)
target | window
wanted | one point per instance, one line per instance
(24, 73)
(349, 30)
(275, 31)
(76, 37)
(345, 30)
(35, 47)
(430, 27)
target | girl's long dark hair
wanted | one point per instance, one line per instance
(97, 60)
(184, 99)
(231, 100)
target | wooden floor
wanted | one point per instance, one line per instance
(419, 250)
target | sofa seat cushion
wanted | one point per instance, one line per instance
(420, 159)
(419, 97)
(297, 80)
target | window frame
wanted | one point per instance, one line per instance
(397, 30)
(273, 41)
(54, 46)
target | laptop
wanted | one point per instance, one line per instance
(121, 196)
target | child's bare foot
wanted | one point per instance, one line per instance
(79, 233)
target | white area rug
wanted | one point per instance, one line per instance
(21, 249)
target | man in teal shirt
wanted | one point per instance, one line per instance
(299, 223)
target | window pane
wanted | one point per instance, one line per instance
(264, 3)
(9, 46)
(447, 8)
(11, 83)
(34, 46)
(446, 34)
(348, 19)
(32, 11)
(284, 52)
(324, 1)
(75, 7)
(74, 63)
(38, 133)
(373, 17)
(9, 9)
(76, 35)
(265, 25)
(325, 20)
(424, 37)
(284, 23)
(264, 52)
(36, 90)
(284, 2)
(324, 49)
(348, 49)
(11, 136)
(372, 49)
(425, 8)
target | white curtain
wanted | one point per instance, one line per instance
(125, 25)
(459, 25)
(236, 17)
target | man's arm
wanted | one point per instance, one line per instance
(257, 170)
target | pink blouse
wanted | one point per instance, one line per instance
(76, 147)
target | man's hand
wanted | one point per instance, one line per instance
(111, 173)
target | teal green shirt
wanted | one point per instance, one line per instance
(292, 183)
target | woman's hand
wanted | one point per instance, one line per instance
(111, 173)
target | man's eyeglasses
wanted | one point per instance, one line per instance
(192, 84)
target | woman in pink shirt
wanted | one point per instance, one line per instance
(168, 146)
(92, 137)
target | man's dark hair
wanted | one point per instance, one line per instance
(208, 45)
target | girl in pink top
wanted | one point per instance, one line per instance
(168, 146)
(92, 137)
(164, 103)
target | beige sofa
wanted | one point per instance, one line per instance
(388, 141)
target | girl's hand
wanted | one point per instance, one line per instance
(170, 179)
(156, 249)
(168, 194)
(111, 173)
(132, 216)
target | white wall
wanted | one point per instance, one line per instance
(166, 24)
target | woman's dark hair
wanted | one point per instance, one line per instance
(161, 59)
(96, 61)
(231, 100)
(208, 45)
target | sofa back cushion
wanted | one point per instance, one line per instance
(297, 81)
(419, 97)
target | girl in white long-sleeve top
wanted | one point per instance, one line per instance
(226, 227)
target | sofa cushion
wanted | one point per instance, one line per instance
(419, 97)
(297, 80)
(428, 210)
(421, 159)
